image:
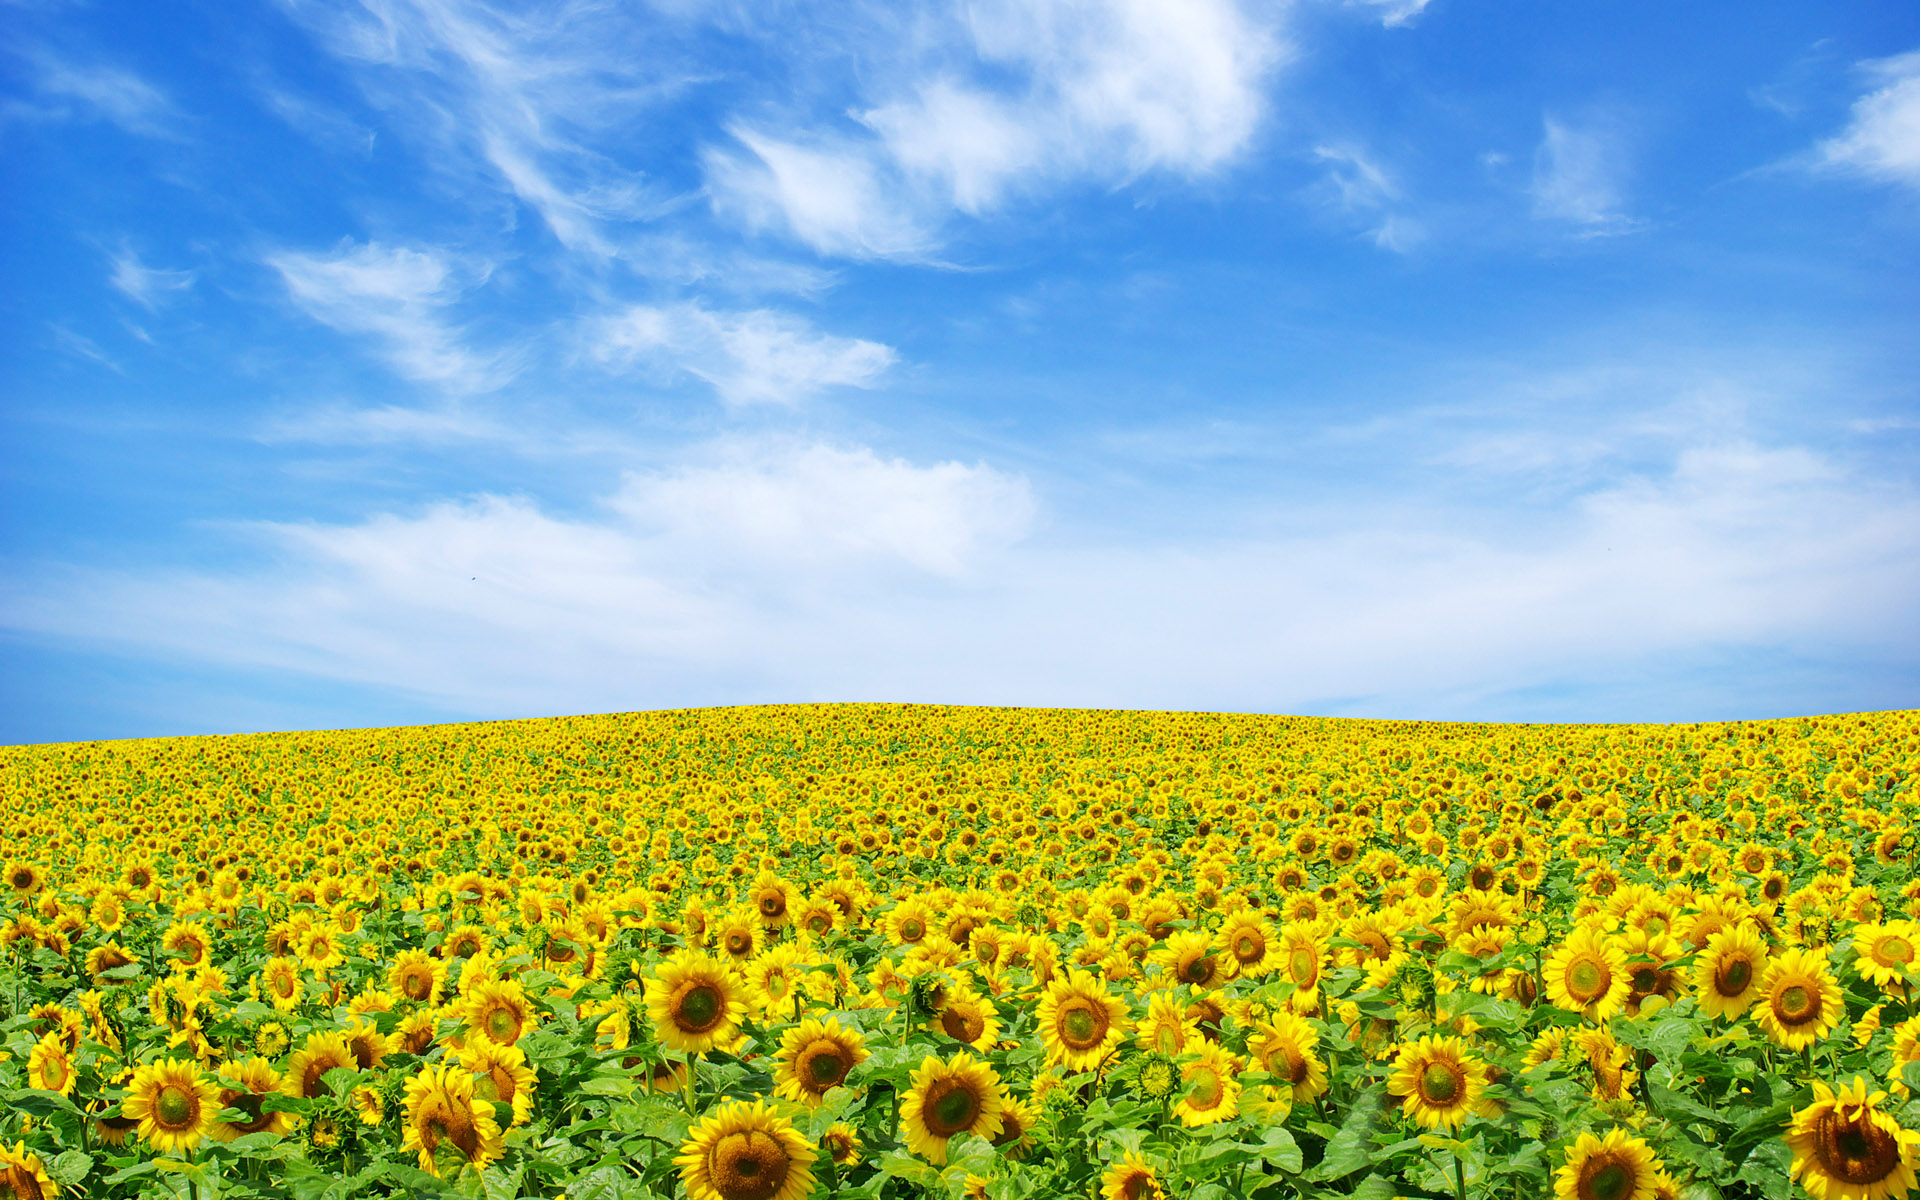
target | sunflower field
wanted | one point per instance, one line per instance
(887, 951)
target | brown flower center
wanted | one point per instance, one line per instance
(950, 1108)
(1855, 1149)
(748, 1165)
(699, 1010)
(174, 1107)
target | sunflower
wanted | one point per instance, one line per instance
(174, 1104)
(841, 1141)
(908, 923)
(1302, 955)
(24, 1176)
(107, 956)
(695, 1001)
(498, 1009)
(50, 1066)
(1247, 939)
(1800, 1000)
(966, 1016)
(814, 1057)
(280, 980)
(1284, 1048)
(243, 1086)
(320, 949)
(1845, 1148)
(772, 899)
(1132, 1178)
(745, 1151)
(188, 945)
(1616, 1167)
(1884, 954)
(1190, 958)
(369, 1046)
(1210, 1090)
(1588, 974)
(1080, 1021)
(739, 937)
(503, 1076)
(467, 941)
(272, 1039)
(948, 1099)
(306, 1071)
(1726, 979)
(773, 978)
(441, 1113)
(417, 976)
(1439, 1080)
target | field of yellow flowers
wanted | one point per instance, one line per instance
(899, 951)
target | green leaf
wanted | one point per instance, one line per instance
(607, 1085)
(607, 1183)
(1281, 1151)
(1352, 1147)
(41, 1103)
(1767, 1170)
(70, 1168)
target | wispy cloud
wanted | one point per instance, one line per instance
(68, 89)
(1882, 140)
(81, 346)
(1000, 100)
(398, 296)
(1392, 12)
(755, 357)
(146, 286)
(1360, 188)
(1580, 174)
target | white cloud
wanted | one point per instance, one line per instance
(768, 572)
(755, 357)
(397, 296)
(1004, 99)
(1580, 174)
(1359, 188)
(1882, 140)
(1393, 12)
(146, 286)
(102, 92)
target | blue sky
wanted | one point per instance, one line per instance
(409, 360)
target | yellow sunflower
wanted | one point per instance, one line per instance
(280, 980)
(1247, 937)
(948, 1099)
(841, 1141)
(1845, 1148)
(696, 1002)
(498, 1009)
(503, 1076)
(1885, 954)
(443, 1119)
(1080, 1021)
(1439, 1081)
(1726, 978)
(745, 1151)
(50, 1067)
(1284, 1048)
(306, 1071)
(1616, 1167)
(966, 1016)
(243, 1085)
(1189, 957)
(1588, 974)
(417, 976)
(1211, 1089)
(1167, 1028)
(1800, 1000)
(24, 1176)
(773, 979)
(174, 1104)
(814, 1058)
(1132, 1178)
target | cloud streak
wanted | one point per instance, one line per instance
(756, 357)
(1882, 138)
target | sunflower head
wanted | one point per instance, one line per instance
(174, 1104)
(745, 1152)
(696, 1002)
(948, 1099)
(814, 1058)
(1439, 1081)
(1616, 1167)
(1844, 1145)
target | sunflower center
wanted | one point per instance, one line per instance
(1606, 1179)
(174, 1106)
(1795, 1004)
(912, 929)
(1857, 1151)
(1895, 950)
(503, 1026)
(962, 1026)
(952, 1108)
(1246, 948)
(748, 1165)
(772, 906)
(1198, 970)
(825, 1066)
(1733, 977)
(486, 1089)
(1206, 1090)
(1586, 979)
(1302, 966)
(1439, 1083)
(699, 1008)
(1079, 1027)
(1646, 980)
(416, 985)
(1138, 1186)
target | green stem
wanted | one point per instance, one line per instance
(1459, 1175)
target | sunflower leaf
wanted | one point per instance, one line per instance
(70, 1168)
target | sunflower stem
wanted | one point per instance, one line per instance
(1459, 1176)
(687, 1090)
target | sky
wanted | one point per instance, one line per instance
(370, 362)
